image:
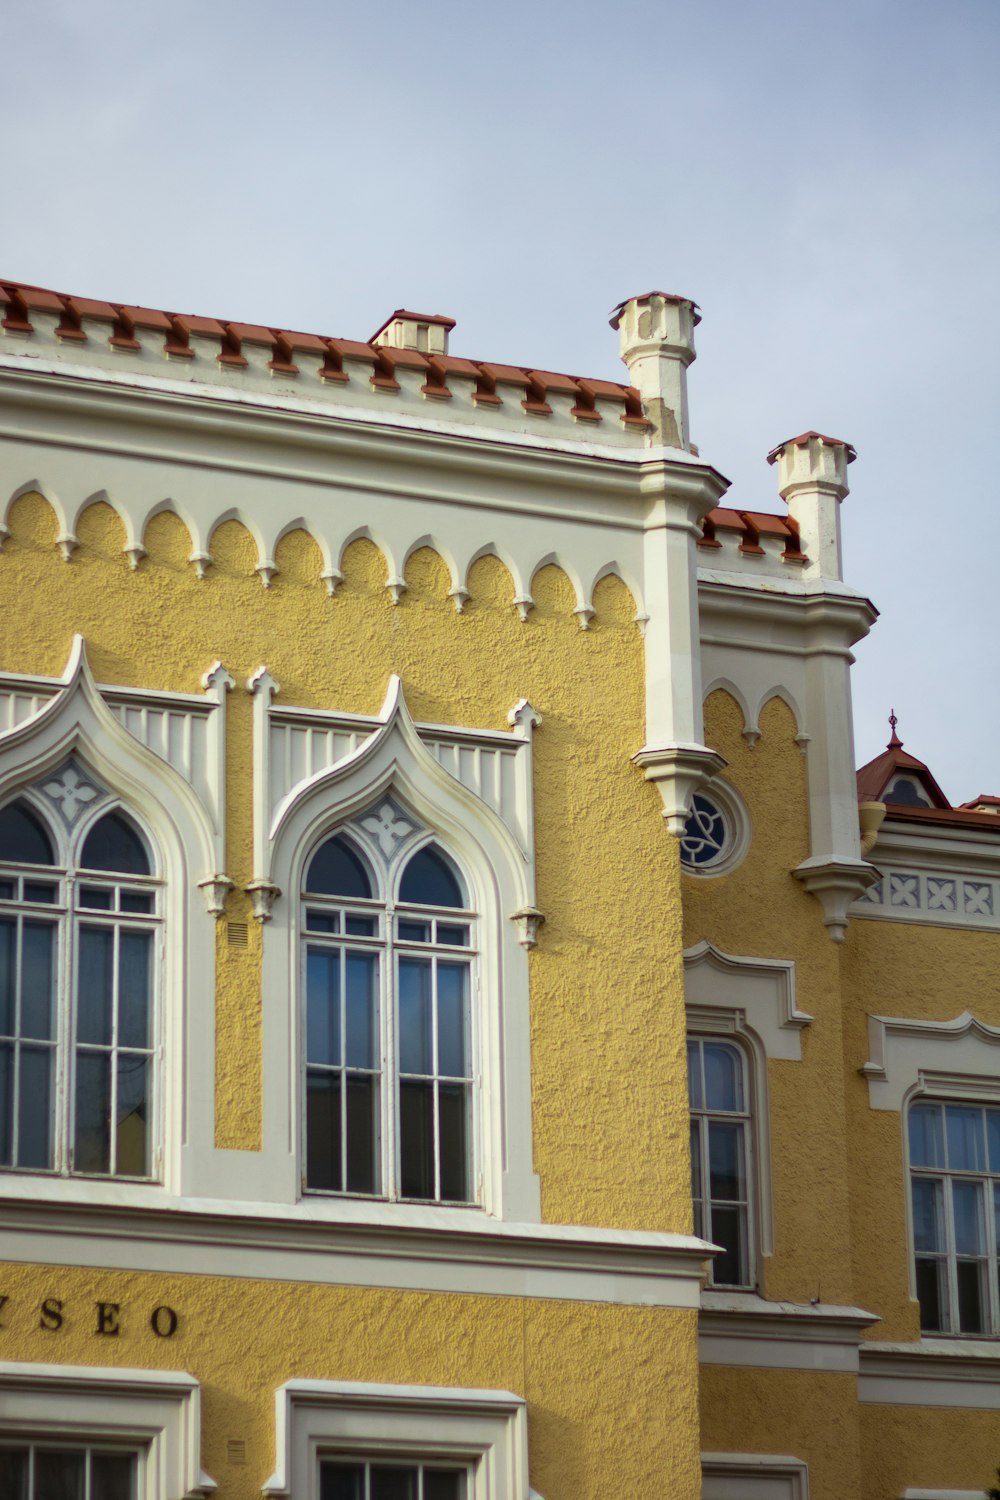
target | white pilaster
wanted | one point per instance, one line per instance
(656, 341)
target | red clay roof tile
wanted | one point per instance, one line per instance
(803, 438)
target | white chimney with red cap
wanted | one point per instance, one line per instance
(812, 480)
(425, 332)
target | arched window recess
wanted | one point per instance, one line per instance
(401, 881)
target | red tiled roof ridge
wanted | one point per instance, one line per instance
(237, 329)
(874, 776)
(804, 437)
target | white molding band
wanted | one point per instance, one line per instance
(313, 1417)
(157, 1410)
(425, 1251)
(744, 1331)
(962, 1373)
(956, 1059)
(935, 875)
(910, 1494)
(753, 1476)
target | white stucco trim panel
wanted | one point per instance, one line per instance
(742, 1330)
(418, 1253)
(753, 1476)
(957, 1059)
(316, 1417)
(962, 1373)
(157, 1410)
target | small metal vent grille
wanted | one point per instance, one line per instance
(236, 1448)
(238, 934)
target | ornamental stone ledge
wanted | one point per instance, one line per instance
(962, 1373)
(483, 1257)
(742, 1329)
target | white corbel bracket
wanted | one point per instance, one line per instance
(215, 889)
(528, 919)
(835, 883)
(679, 771)
(263, 896)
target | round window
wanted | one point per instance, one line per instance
(716, 834)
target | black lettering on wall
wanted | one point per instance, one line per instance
(163, 1322)
(51, 1314)
(107, 1319)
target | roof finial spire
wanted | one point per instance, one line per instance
(895, 743)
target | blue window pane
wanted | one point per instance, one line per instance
(111, 1476)
(59, 1475)
(135, 954)
(133, 1116)
(993, 1138)
(967, 1200)
(34, 1144)
(38, 990)
(415, 1050)
(927, 1234)
(7, 1055)
(94, 987)
(723, 1077)
(336, 870)
(93, 1112)
(362, 989)
(323, 1131)
(726, 1161)
(113, 844)
(926, 1136)
(430, 879)
(339, 1481)
(8, 999)
(323, 1006)
(695, 1159)
(14, 1473)
(453, 1020)
(966, 1148)
(694, 1075)
(23, 838)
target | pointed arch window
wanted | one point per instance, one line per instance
(390, 952)
(79, 932)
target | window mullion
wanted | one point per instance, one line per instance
(436, 1071)
(67, 1028)
(113, 1053)
(389, 1034)
(342, 1025)
(15, 1133)
(951, 1252)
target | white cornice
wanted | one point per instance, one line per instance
(483, 1257)
(934, 1372)
(743, 1330)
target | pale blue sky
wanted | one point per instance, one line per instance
(821, 178)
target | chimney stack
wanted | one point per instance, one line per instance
(656, 342)
(812, 480)
(426, 332)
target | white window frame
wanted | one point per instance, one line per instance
(488, 1430)
(395, 762)
(156, 1412)
(753, 1476)
(385, 907)
(181, 821)
(746, 1117)
(945, 1062)
(749, 1001)
(67, 917)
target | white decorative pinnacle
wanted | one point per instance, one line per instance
(461, 597)
(202, 561)
(584, 613)
(135, 552)
(528, 920)
(266, 570)
(523, 603)
(67, 544)
(524, 717)
(332, 577)
(71, 792)
(387, 827)
(217, 679)
(397, 587)
(262, 682)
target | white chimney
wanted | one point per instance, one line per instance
(812, 479)
(656, 342)
(426, 332)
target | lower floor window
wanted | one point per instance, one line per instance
(356, 1479)
(955, 1186)
(43, 1471)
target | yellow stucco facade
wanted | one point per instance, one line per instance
(252, 605)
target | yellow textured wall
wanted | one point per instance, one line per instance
(924, 973)
(919, 1447)
(760, 909)
(589, 1373)
(610, 1106)
(796, 1413)
(610, 1109)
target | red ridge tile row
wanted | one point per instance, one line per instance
(129, 328)
(750, 526)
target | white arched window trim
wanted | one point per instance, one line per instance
(76, 722)
(394, 760)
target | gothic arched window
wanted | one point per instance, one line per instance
(389, 940)
(79, 923)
